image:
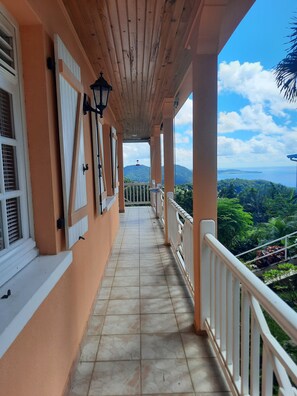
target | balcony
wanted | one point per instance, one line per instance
(141, 339)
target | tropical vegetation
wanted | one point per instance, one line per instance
(250, 212)
(286, 69)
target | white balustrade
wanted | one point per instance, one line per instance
(180, 233)
(160, 204)
(137, 194)
(232, 312)
(234, 309)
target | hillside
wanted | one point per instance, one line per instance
(142, 174)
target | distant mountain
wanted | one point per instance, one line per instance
(141, 173)
(182, 175)
(236, 171)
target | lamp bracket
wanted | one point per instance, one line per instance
(87, 107)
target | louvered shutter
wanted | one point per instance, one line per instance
(99, 174)
(7, 50)
(114, 157)
(70, 97)
(17, 249)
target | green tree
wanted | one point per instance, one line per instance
(253, 201)
(228, 191)
(183, 195)
(233, 222)
(286, 69)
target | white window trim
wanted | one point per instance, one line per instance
(13, 260)
(110, 201)
(36, 276)
(29, 288)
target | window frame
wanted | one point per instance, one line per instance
(15, 257)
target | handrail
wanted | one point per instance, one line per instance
(284, 250)
(137, 194)
(273, 304)
(159, 206)
(267, 244)
(185, 215)
(233, 301)
(180, 233)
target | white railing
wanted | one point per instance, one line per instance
(160, 205)
(180, 234)
(232, 312)
(282, 249)
(137, 194)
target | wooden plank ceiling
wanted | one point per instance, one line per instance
(139, 45)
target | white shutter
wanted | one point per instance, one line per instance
(17, 249)
(114, 158)
(99, 174)
(70, 98)
(7, 48)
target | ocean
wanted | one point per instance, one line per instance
(285, 175)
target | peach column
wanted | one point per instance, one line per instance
(168, 114)
(204, 157)
(157, 155)
(152, 158)
(121, 172)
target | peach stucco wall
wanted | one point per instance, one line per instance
(39, 361)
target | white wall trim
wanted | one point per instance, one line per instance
(110, 201)
(29, 288)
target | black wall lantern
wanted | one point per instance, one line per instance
(101, 90)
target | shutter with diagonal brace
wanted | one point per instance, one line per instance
(70, 98)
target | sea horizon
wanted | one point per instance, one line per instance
(285, 175)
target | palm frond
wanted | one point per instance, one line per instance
(286, 70)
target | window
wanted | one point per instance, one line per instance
(16, 247)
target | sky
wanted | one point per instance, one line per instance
(257, 127)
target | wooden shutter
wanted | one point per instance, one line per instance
(98, 160)
(70, 98)
(7, 50)
(114, 160)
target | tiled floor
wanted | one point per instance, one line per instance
(140, 339)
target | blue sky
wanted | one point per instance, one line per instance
(256, 126)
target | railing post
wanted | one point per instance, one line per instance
(157, 203)
(152, 195)
(167, 228)
(206, 227)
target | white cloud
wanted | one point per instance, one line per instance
(253, 82)
(252, 118)
(185, 114)
(184, 157)
(181, 138)
(136, 151)
(265, 113)
(261, 150)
